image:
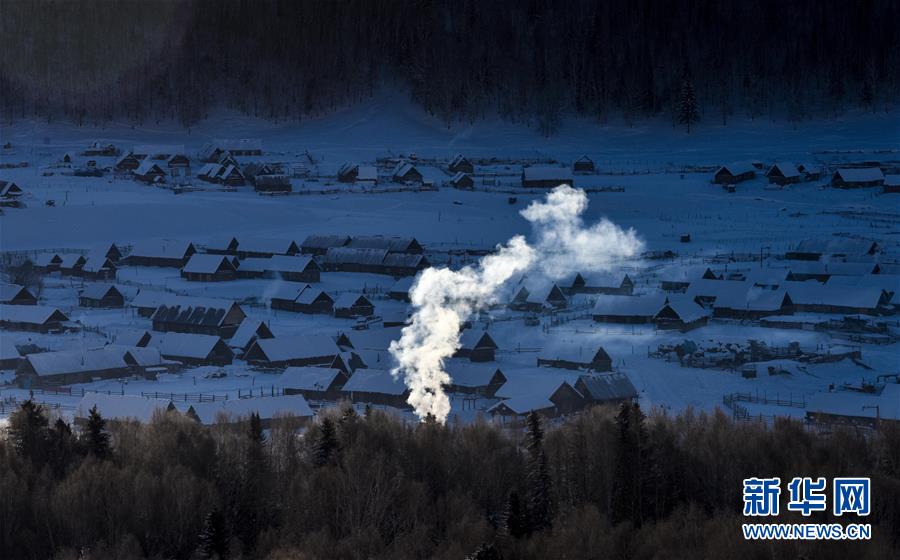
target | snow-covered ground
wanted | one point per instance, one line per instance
(650, 170)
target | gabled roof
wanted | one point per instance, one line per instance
(162, 249)
(375, 381)
(531, 381)
(403, 285)
(148, 299)
(576, 355)
(815, 293)
(248, 329)
(285, 348)
(629, 306)
(464, 373)
(787, 170)
(472, 339)
(308, 378)
(184, 345)
(349, 255)
(96, 263)
(9, 292)
(31, 314)
(522, 404)
(860, 175)
(390, 244)
(206, 263)
(349, 299)
(605, 387)
(100, 291)
(285, 263)
(9, 189)
(737, 168)
(192, 314)
(149, 166)
(268, 245)
(95, 359)
(685, 308)
(403, 168)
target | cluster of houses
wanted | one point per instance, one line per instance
(830, 276)
(785, 173)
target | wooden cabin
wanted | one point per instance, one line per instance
(575, 359)
(583, 164)
(14, 294)
(101, 296)
(460, 164)
(351, 305)
(732, 173)
(857, 178)
(205, 267)
(546, 177)
(783, 174)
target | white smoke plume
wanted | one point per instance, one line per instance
(444, 298)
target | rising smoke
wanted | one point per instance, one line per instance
(444, 298)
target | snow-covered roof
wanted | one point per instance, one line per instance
(149, 299)
(205, 263)
(685, 307)
(9, 292)
(32, 314)
(95, 359)
(148, 166)
(474, 338)
(403, 285)
(787, 170)
(350, 299)
(8, 349)
(467, 374)
(285, 348)
(349, 255)
(375, 338)
(626, 306)
(71, 260)
(267, 245)
(860, 174)
(254, 264)
(402, 169)
(892, 180)
(95, 263)
(522, 404)
(608, 386)
(309, 295)
(245, 333)
(403, 260)
(374, 381)
(815, 293)
(184, 345)
(530, 381)
(284, 263)
(367, 173)
(737, 168)
(836, 246)
(122, 407)
(860, 405)
(390, 244)
(99, 291)
(164, 249)
(307, 378)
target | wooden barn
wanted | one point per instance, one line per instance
(319, 244)
(72, 263)
(408, 245)
(10, 358)
(462, 181)
(150, 172)
(612, 388)
(193, 349)
(266, 248)
(406, 173)
(271, 409)
(298, 351)
(230, 175)
(166, 253)
(376, 386)
(272, 183)
(205, 267)
(83, 366)
(477, 346)
(249, 332)
(562, 399)
(403, 264)
(98, 267)
(583, 164)
(591, 284)
(37, 318)
(349, 305)
(14, 294)
(732, 173)
(223, 246)
(783, 174)
(122, 408)
(127, 163)
(546, 177)
(348, 259)
(301, 299)
(627, 309)
(293, 268)
(680, 312)
(101, 295)
(575, 359)
(47, 262)
(460, 164)
(10, 190)
(811, 171)
(857, 177)
(178, 165)
(211, 318)
(314, 383)
(474, 379)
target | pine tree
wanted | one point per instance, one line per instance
(213, 537)
(28, 432)
(514, 523)
(687, 105)
(62, 446)
(325, 444)
(631, 453)
(96, 438)
(540, 508)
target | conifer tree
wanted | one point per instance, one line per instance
(515, 523)
(96, 438)
(325, 444)
(540, 508)
(28, 432)
(687, 105)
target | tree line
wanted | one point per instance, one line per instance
(530, 61)
(609, 483)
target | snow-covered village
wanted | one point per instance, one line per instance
(168, 289)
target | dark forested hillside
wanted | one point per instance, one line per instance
(609, 483)
(148, 59)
